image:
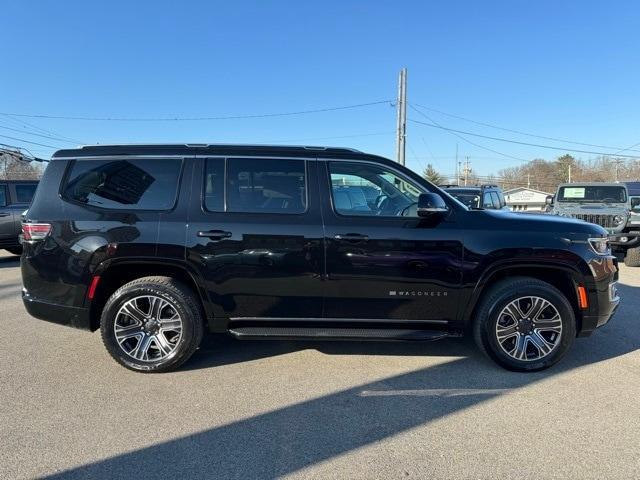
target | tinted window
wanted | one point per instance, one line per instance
(487, 201)
(496, 201)
(3, 196)
(24, 193)
(469, 198)
(133, 184)
(214, 185)
(365, 189)
(266, 186)
(503, 202)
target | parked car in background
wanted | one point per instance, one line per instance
(15, 197)
(488, 197)
(605, 204)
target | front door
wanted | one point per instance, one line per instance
(255, 235)
(383, 261)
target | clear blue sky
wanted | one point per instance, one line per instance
(562, 69)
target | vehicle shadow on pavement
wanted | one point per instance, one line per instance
(297, 436)
(9, 262)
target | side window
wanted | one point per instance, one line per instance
(132, 184)
(496, 200)
(502, 201)
(214, 185)
(3, 196)
(487, 201)
(260, 185)
(365, 189)
(24, 193)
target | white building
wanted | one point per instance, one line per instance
(524, 199)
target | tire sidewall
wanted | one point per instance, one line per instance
(507, 295)
(124, 295)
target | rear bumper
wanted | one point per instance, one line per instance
(61, 314)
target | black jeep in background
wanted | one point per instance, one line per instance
(487, 197)
(154, 244)
(15, 197)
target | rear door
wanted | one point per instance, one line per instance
(6, 215)
(255, 235)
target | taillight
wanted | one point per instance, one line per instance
(35, 231)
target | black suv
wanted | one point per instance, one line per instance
(155, 244)
(482, 196)
(15, 197)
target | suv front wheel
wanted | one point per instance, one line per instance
(525, 324)
(152, 324)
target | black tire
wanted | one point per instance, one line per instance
(632, 257)
(180, 298)
(501, 295)
(15, 250)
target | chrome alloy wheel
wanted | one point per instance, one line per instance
(148, 328)
(529, 328)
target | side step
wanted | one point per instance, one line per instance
(397, 334)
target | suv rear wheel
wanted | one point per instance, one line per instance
(152, 324)
(525, 324)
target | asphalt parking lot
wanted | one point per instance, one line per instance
(315, 410)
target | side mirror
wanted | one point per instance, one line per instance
(549, 200)
(430, 204)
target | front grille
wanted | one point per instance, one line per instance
(602, 220)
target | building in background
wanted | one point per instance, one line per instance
(523, 199)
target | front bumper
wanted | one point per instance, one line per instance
(61, 314)
(625, 239)
(603, 297)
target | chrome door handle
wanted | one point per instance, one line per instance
(351, 237)
(215, 234)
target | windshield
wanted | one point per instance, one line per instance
(593, 194)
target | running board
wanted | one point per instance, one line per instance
(393, 334)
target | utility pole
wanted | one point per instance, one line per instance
(457, 165)
(466, 170)
(617, 162)
(528, 180)
(402, 116)
(569, 173)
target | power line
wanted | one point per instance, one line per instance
(519, 132)
(437, 125)
(22, 123)
(356, 135)
(29, 142)
(191, 119)
(518, 142)
(36, 134)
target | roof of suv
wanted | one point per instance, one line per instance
(208, 149)
(470, 188)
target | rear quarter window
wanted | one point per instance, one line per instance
(124, 184)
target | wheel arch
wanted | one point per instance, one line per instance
(563, 277)
(116, 273)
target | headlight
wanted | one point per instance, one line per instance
(618, 219)
(600, 246)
